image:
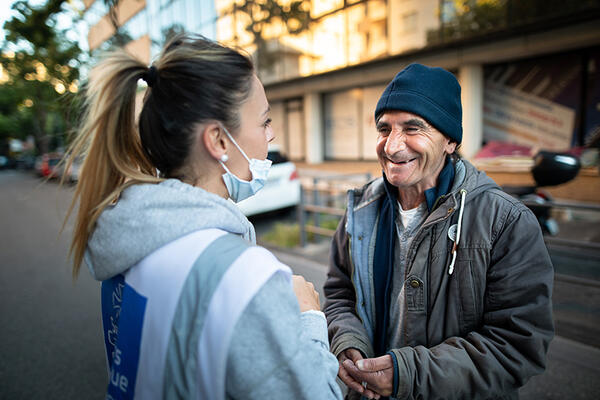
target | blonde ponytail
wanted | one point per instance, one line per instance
(109, 142)
(194, 80)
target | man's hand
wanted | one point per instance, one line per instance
(378, 373)
(307, 296)
(352, 356)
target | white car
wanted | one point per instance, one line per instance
(282, 189)
(75, 168)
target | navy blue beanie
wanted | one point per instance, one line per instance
(431, 93)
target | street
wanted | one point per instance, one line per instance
(51, 342)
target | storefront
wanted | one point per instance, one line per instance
(550, 102)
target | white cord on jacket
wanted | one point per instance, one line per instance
(463, 194)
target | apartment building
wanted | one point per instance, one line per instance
(529, 74)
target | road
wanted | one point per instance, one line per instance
(51, 343)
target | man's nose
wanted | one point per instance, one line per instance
(395, 142)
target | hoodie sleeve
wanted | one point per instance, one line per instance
(517, 327)
(346, 330)
(276, 351)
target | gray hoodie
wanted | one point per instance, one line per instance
(147, 217)
(275, 351)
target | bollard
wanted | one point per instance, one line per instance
(301, 218)
(316, 202)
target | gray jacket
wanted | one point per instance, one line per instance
(480, 332)
(274, 350)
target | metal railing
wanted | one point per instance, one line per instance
(323, 198)
(556, 241)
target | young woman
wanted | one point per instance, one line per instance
(192, 308)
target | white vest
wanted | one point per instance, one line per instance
(154, 285)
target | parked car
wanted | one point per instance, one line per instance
(37, 166)
(3, 162)
(73, 173)
(25, 161)
(46, 165)
(281, 190)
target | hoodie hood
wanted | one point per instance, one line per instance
(471, 179)
(148, 216)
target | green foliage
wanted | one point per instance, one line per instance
(461, 19)
(294, 16)
(283, 235)
(330, 223)
(42, 66)
(288, 234)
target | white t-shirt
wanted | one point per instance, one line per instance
(407, 217)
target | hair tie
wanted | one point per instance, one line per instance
(151, 76)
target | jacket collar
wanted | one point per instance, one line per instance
(444, 183)
(466, 176)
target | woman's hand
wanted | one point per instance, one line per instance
(308, 298)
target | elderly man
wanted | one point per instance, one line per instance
(439, 283)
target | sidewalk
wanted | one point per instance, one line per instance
(573, 368)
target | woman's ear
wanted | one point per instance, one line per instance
(211, 136)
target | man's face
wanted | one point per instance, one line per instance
(410, 150)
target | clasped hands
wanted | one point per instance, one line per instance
(371, 377)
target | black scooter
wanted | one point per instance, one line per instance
(549, 169)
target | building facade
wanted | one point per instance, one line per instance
(529, 71)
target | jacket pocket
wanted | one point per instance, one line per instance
(466, 296)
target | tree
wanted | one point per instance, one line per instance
(464, 18)
(42, 69)
(15, 118)
(460, 19)
(294, 15)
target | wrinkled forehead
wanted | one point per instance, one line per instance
(400, 117)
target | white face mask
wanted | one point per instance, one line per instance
(240, 189)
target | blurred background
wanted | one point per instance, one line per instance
(530, 77)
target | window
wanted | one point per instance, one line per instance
(409, 22)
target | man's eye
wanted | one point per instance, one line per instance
(383, 131)
(267, 122)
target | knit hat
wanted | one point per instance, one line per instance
(431, 93)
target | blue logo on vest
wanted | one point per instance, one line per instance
(122, 319)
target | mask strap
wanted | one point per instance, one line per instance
(225, 167)
(236, 145)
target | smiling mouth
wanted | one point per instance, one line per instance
(403, 162)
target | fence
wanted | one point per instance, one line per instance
(571, 206)
(323, 199)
